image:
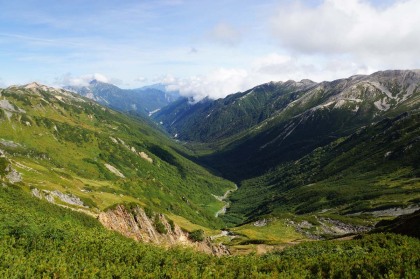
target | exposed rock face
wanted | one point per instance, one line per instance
(13, 176)
(51, 195)
(327, 227)
(114, 170)
(7, 172)
(134, 223)
(145, 157)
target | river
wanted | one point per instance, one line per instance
(223, 199)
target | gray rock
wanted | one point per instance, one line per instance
(36, 193)
(70, 199)
(14, 176)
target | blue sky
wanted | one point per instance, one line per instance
(204, 47)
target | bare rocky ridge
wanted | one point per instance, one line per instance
(135, 224)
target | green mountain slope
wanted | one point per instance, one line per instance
(208, 121)
(322, 114)
(374, 169)
(68, 150)
(334, 147)
(61, 142)
(38, 239)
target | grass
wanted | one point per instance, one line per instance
(70, 140)
(275, 232)
(38, 239)
(351, 175)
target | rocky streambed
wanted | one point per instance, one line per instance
(223, 199)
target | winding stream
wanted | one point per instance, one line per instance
(222, 199)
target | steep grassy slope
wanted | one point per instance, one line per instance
(41, 240)
(60, 141)
(374, 169)
(322, 114)
(209, 121)
(310, 150)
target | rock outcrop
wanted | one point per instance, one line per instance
(134, 223)
(7, 172)
(50, 196)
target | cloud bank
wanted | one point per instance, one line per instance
(389, 35)
(232, 46)
(272, 67)
(327, 41)
(69, 79)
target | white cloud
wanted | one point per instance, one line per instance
(272, 67)
(225, 34)
(141, 79)
(216, 84)
(69, 79)
(381, 37)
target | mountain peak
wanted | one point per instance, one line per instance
(32, 85)
(35, 86)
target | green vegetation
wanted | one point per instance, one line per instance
(149, 212)
(275, 232)
(197, 235)
(160, 227)
(38, 240)
(171, 224)
(209, 121)
(374, 169)
(66, 143)
(306, 168)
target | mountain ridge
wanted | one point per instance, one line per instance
(70, 146)
(195, 122)
(143, 101)
(270, 158)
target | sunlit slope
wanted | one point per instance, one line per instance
(38, 239)
(60, 141)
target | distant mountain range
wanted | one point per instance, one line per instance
(144, 101)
